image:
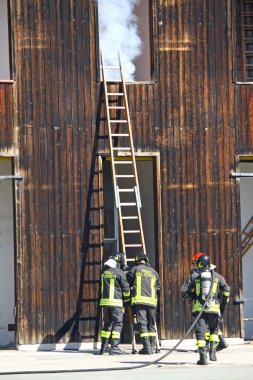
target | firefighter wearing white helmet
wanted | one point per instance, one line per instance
(145, 284)
(115, 293)
(201, 282)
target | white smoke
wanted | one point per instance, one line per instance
(118, 32)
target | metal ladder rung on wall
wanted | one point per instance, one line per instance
(247, 237)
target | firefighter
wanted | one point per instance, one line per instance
(115, 293)
(145, 285)
(200, 282)
(222, 342)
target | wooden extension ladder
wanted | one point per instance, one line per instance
(123, 163)
(123, 168)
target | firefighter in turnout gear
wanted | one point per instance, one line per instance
(222, 342)
(145, 285)
(115, 293)
(200, 283)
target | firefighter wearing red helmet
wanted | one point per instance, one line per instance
(145, 285)
(115, 293)
(222, 342)
(201, 282)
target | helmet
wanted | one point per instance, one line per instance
(118, 257)
(141, 257)
(196, 256)
(203, 263)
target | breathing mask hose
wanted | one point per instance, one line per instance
(122, 368)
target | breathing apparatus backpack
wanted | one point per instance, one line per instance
(203, 266)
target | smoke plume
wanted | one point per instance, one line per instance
(118, 32)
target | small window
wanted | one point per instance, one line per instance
(4, 42)
(244, 40)
(126, 26)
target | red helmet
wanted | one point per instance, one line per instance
(196, 256)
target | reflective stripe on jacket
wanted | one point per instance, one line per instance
(114, 288)
(219, 289)
(145, 283)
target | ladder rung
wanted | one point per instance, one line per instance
(110, 67)
(124, 175)
(117, 107)
(130, 259)
(115, 93)
(128, 204)
(126, 190)
(123, 162)
(118, 121)
(133, 245)
(129, 217)
(122, 148)
(119, 134)
(131, 231)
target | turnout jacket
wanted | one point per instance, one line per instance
(219, 294)
(145, 284)
(114, 287)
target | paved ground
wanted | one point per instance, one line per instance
(235, 362)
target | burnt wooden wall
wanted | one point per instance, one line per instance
(193, 115)
(59, 261)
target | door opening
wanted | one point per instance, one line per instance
(246, 185)
(149, 183)
(148, 168)
(145, 169)
(7, 278)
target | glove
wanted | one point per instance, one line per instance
(220, 319)
(125, 268)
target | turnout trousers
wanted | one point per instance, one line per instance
(112, 322)
(146, 319)
(207, 322)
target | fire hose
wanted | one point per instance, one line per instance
(120, 368)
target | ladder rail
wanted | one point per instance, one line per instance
(111, 152)
(132, 152)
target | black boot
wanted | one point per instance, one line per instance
(104, 346)
(152, 344)
(212, 351)
(222, 343)
(202, 356)
(115, 350)
(146, 350)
